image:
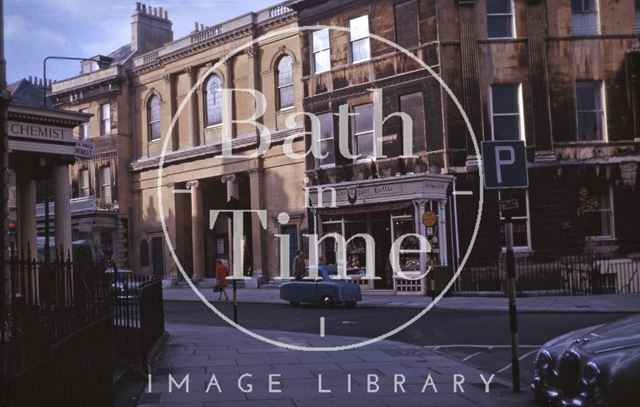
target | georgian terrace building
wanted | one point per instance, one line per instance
(101, 199)
(560, 75)
(195, 179)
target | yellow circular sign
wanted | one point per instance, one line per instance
(429, 219)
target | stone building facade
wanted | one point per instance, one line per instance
(101, 183)
(178, 143)
(561, 75)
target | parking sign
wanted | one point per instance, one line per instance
(505, 164)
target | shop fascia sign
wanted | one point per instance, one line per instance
(38, 131)
(385, 191)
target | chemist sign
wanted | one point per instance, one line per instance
(38, 131)
(505, 164)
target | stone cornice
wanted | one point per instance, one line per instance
(194, 48)
(208, 150)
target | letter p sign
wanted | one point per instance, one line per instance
(505, 164)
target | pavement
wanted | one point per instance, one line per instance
(360, 377)
(613, 303)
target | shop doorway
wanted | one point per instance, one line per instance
(292, 232)
(382, 236)
(157, 255)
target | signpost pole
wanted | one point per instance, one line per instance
(513, 316)
(505, 163)
(235, 301)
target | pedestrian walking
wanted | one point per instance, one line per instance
(221, 280)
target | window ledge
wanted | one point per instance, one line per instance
(600, 239)
(596, 143)
(519, 250)
(362, 61)
(500, 40)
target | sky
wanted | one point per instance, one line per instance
(35, 29)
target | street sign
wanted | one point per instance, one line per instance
(508, 204)
(429, 219)
(505, 164)
(83, 149)
(505, 167)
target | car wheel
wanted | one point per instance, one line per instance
(294, 304)
(351, 304)
(326, 301)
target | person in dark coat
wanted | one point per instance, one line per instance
(299, 266)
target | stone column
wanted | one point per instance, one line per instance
(194, 128)
(233, 191)
(442, 232)
(26, 211)
(169, 80)
(62, 189)
(422, 231)
(197, 230)
(536, 33)
(257, 233)
(227, 100)
(470, 69)
(253, 80)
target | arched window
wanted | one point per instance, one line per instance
(213, 92)
(153, 114)
(284, 82)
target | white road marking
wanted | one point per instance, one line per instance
(436, 347)
(322, 327)
(520, 358)
(349, 323)
(470, 356)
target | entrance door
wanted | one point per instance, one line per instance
(292, 231)
(381, 235)
(157, 256)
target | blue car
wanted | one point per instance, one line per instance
(323, 290)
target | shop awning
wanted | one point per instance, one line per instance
(386, 207)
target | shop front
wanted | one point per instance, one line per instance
(41, 148)
(385, 209)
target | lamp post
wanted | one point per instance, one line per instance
(101, 60)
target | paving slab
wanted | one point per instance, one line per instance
(363, 377)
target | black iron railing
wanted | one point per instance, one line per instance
(585, 274)
(138, 317)
(55, 337)
(66, 322)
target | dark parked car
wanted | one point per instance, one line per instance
(323, 290)
(123, 284)
(595, 366)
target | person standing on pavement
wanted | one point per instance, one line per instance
(221, 277)
(298, 266)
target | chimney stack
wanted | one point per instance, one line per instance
(150, 28)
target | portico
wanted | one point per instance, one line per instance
(41, 147)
